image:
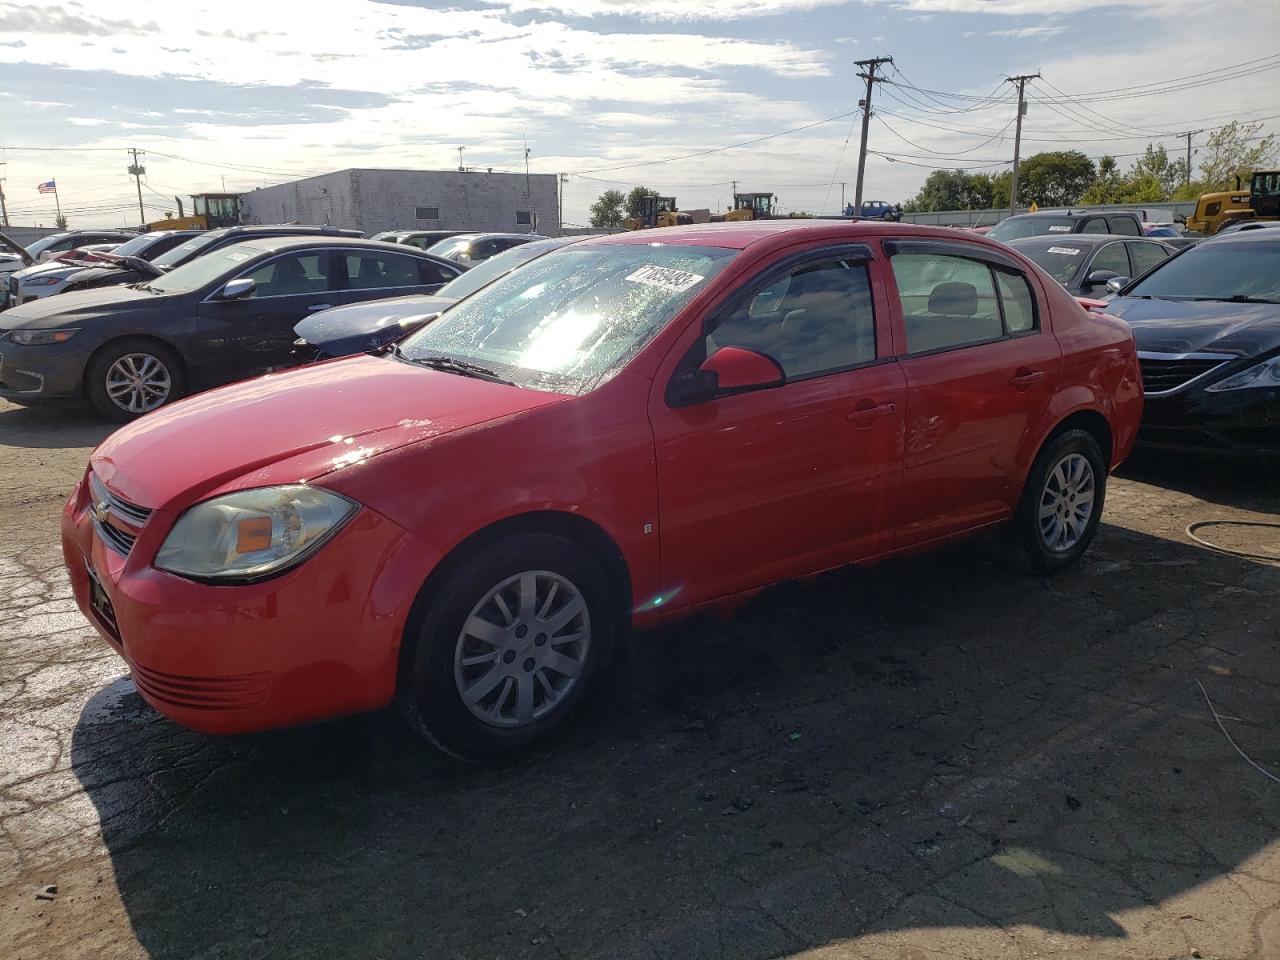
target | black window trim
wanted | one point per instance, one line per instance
(853, 252)
(993, 260)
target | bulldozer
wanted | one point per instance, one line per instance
(208, 212)
(1224, 207)
(750, 206)
(656, 212)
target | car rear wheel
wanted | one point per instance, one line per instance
(507, 646)
(133, 377)
(1061, 505)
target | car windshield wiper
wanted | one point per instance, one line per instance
(453, 365)
(1234, 298)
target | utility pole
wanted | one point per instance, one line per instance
(869, 66)
(564, 180)
(843, 184)
(1189, 134)
(1021, 81)
(136, 172)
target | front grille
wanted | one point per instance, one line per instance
(1164, 373)
(201, 693)
(117, 522)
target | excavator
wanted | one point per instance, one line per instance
(208, 212)
(656, 212)
(1225, 207)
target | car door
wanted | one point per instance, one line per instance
(365, 273)
(254, 334)
(768, 484)
(980, 369)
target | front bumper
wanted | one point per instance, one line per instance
(319, 641)
(45, 372)
(1231, 422)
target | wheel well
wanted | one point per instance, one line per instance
(579, 530)
(1091, 422)
(147, 338)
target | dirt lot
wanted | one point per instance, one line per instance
(930, 759)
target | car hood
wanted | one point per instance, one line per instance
(78, 304)
(105, 272)
(1176, 326)
(364, 326)
(294, 427)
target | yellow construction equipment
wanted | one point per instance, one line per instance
(1224, 207)
(750, 206)
(656, 212)
(208, 211)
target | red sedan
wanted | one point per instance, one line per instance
(616, 434)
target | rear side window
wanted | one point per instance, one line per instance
(1095, 225)
(1126, 226)
(366, 271)
(951, 301)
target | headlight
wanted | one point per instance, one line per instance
(254, 533)
(33, 338)
(41, 281)
(1264, 374)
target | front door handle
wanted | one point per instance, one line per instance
(318, 306)
(868, 411)
(1024, 378)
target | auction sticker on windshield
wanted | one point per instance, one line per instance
(1060, 229)
(665, 277)
(1066, 251)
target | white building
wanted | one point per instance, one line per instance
(377, 200)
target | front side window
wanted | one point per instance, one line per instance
(368, 271)
(294, 274)
(1112, 257)
(950, 301)
(1125, 226)
(815, 319)
(568, 320)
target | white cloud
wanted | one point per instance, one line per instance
(674, 9)
(1026, 33)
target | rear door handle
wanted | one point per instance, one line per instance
(867, 411)
(318, 306)
(1025, 378)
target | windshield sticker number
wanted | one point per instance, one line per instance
(237, 257)
(1059, 229)
(666, 278)
(1068, 251)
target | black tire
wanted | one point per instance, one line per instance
(1023, 544)
(429, 697)
(100, 367)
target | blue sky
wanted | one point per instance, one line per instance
(258, 92)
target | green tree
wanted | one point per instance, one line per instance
(1107, 183)
(607, 210)
(1155, 165)
(60, 221)
(1235, 150)
(632, 205)
(1056, 178)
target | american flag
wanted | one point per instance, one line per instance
(47, 187)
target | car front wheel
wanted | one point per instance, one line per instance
(1061, 505)
(508, 645)
(133, 377)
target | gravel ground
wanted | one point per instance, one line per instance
(929, 759)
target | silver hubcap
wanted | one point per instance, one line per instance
(138, 382)
(1066, 503)
(522, 649)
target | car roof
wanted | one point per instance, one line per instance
(491, 236)
(1072, 213)
(743, 234)
(325, 240)
(1243, 236)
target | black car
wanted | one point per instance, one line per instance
(46, 247)
(422, 239)
(366, 326)
(469, 249)
(1126, 223)
(1207, 323)
(1084, 263)
(222, 317)
(197, 244)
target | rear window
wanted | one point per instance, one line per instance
(1015, 227)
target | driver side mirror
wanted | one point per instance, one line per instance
(1116, 283)
(1099, 277)
(729, 370)
(238, 289)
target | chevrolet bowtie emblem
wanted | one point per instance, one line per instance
(100, 511)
